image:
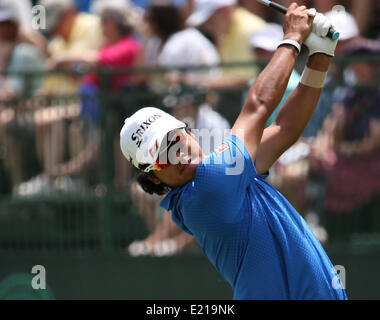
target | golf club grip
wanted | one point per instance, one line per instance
(332, 34)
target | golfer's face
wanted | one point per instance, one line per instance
(183, 159)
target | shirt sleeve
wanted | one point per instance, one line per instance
(222, 179)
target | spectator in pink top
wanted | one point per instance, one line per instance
(122, 54)
(121, 49)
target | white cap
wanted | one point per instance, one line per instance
(204, 10)
(343, 22)
(143, 133)
(268, 37)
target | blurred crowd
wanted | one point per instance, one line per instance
(92, 63)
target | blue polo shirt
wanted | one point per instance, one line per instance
(252, 235)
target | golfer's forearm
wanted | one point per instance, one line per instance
(300, 106)
(269, 88)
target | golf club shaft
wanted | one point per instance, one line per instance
(332, 34)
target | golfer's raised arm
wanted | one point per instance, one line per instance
(300, 105)
(269, 87)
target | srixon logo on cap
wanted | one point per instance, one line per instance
(138, 135)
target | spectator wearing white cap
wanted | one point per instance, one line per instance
(171, 44)
(230, 27)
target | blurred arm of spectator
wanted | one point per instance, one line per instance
(36, 39)
(75, 165)
(66, 60)
(332, 138)
(215, 82)
(100, 58)
(121, 49)
(366, 147)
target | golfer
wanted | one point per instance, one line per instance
(252, 235)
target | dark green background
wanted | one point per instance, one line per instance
(118, 276)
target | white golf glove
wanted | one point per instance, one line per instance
(317, 42)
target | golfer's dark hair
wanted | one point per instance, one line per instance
(166, 18)
(148, 186)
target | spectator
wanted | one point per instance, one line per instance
(348, 147)
(229, 27)
(121, 50)
(169, 39)
(17, 56)
(69, 33)
(27, 32)
(23, 9)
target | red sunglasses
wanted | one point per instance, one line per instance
(181, 135)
